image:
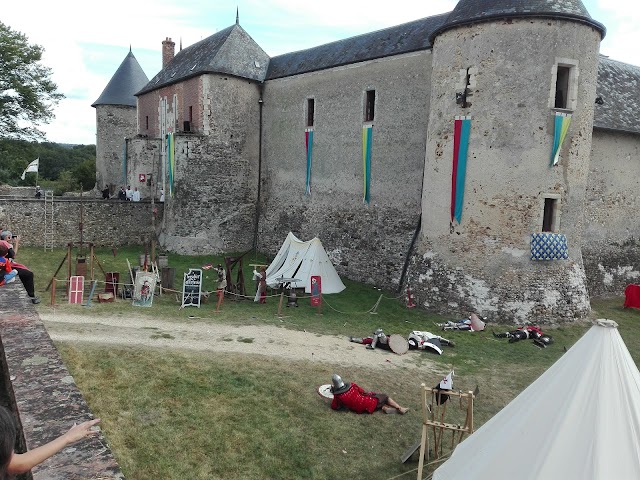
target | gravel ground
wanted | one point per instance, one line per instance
(196, 335)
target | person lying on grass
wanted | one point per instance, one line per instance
(353, 397)
(13, 463)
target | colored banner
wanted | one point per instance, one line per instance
(316, 290)
(308, 138)
(461, 132)
(561, 126)
(171, 163)
(367, 139)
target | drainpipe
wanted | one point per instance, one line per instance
(257, 219)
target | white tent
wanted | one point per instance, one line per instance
(298, 259)
(580, 420)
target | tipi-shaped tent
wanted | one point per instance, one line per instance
(579, 421)
(298, 259)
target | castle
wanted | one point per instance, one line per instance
(487, 157)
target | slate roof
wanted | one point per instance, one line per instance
(405, 38)
(619, 89)
(128, 79)
(473, 11)
(230, 51)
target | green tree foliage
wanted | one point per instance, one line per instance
(85, 174)
(27, 94)
(79, 161)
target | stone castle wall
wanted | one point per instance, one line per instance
(367, 242)
(611, 243)
(483, 264)
(106, 223)
(114, 123)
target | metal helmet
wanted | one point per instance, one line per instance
(337, 384)
(544, 341)
(380, 335)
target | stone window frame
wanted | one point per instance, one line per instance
(555, 215)
(572, 84)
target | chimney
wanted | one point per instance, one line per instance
(168, 51)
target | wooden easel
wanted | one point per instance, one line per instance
(433, 419)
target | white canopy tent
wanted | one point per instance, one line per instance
(580, 420)
(298, 259)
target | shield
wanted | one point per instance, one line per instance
(325, 391)
(398, 344)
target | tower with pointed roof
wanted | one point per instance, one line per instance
(116, 119)
(508, 69)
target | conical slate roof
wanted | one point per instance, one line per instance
(474, 11)
(128, 79)
(230, 51)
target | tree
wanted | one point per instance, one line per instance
(27, 93)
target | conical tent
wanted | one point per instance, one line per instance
(579, 420)
(298, 259)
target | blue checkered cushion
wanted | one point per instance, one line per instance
(548, 246)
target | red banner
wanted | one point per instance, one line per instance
(316, 290)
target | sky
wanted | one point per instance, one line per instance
(85, 42)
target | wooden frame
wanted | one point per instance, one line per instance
(433, 416)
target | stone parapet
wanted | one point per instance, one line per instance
(38, 387)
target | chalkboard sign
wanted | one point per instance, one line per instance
(191, 288)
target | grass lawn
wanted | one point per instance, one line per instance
(174, 415)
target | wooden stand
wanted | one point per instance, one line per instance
(67, 259)
(433, 419)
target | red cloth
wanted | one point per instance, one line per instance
(355, 399)
(632, 296)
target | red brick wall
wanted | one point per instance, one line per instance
(189, 94)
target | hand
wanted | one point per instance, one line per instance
(80, 431)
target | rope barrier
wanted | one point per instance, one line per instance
(207, 293)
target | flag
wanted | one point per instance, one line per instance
(308, 138)
(561, 126)
(447, 382)
(367, 139)
(33, 167)
(461, 133)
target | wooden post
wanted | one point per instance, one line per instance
(91, 266)
(424, 443)
(53, 291)
(280, 302)
(69, 245)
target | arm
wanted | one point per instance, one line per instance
(16, 244)
(23, 462)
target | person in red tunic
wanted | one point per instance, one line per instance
(354, 397)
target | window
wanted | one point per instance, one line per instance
(564, 84)
(369, 106)
(190, 114)
(311, 106)
(147, 122)
(562, 87)
(549, 215)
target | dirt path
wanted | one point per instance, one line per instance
(201, 336)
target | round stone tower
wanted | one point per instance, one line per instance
(116, 119)
(513, 83)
